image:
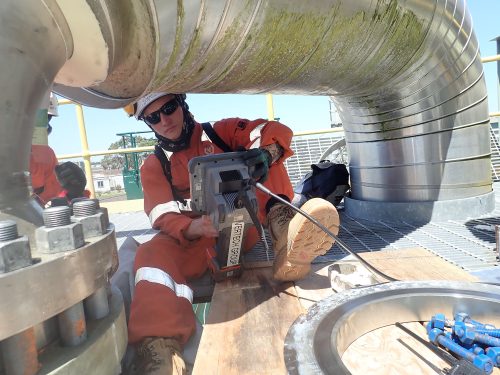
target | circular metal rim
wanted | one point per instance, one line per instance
(316, 341)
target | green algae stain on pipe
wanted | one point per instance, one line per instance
(164, 72)
(288, 47)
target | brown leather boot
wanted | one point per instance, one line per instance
(160, 356)
(296, 240)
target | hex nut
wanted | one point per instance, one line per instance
(439, 321)
(57, 239)
(484, 363)
(465, 334)
(434, 335)
(93, 225)
(15, 254)
(494, 354)
(104, 211)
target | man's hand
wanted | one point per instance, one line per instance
(201, 226)
(71, 178)
(258, 162)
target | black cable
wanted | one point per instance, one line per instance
(438, 351)
(261, 187)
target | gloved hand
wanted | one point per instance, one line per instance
(71, 178)
(257, 161)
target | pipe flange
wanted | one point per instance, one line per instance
(316, 341)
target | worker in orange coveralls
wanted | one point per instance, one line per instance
(52, 181)
(161, 315)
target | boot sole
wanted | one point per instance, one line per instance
(306, 240)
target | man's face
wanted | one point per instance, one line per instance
(169, 126)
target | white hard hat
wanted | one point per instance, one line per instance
(145, 101)
(53, 105)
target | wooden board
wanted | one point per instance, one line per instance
(249, 318)
(416, 264)
(247, 325)
(392, 352)
(405, 264)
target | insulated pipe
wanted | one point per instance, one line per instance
(34, 45)
(406, 77)
(75, 42)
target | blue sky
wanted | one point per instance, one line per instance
(298, 112)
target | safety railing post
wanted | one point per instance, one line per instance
(85, 149)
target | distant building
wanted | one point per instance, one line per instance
(107, 180)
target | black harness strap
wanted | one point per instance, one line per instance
(165, 163)
(214, 137)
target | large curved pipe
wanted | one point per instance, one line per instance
(405, 75)
(35, 43)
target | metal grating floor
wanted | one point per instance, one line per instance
(468, 244)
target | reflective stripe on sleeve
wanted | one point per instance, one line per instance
(255, 135)
(172, 206)
(155, 275)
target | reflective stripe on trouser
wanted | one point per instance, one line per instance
(155, 275)
(160, 306)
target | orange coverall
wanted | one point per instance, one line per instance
(162, 303)
(42, 169)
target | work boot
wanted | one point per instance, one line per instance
(160, 356)
(296, 240)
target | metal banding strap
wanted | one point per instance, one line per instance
(155, 275)
(255, 135)
(169, 207)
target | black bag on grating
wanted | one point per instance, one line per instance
(326, 180)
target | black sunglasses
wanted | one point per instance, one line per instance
(167, 109)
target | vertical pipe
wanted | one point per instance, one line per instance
(30, 57)
(85, 149)
(270, 107)
(72, 325)
(96, 305)
(19, 354)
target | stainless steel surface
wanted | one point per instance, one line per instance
(127, 28)
(406, 77)
(332, 324)
(100, 354)
(34, 294)
(57, 216)
(85, 207)
(96, 305)
(72, 325)
(35, 42)
(58, 239)
(8, 230)
(19, 354)
(15, 254)
(93, 225)
(46, 333)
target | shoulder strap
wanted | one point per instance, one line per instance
(165, 165)
(214, 137)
